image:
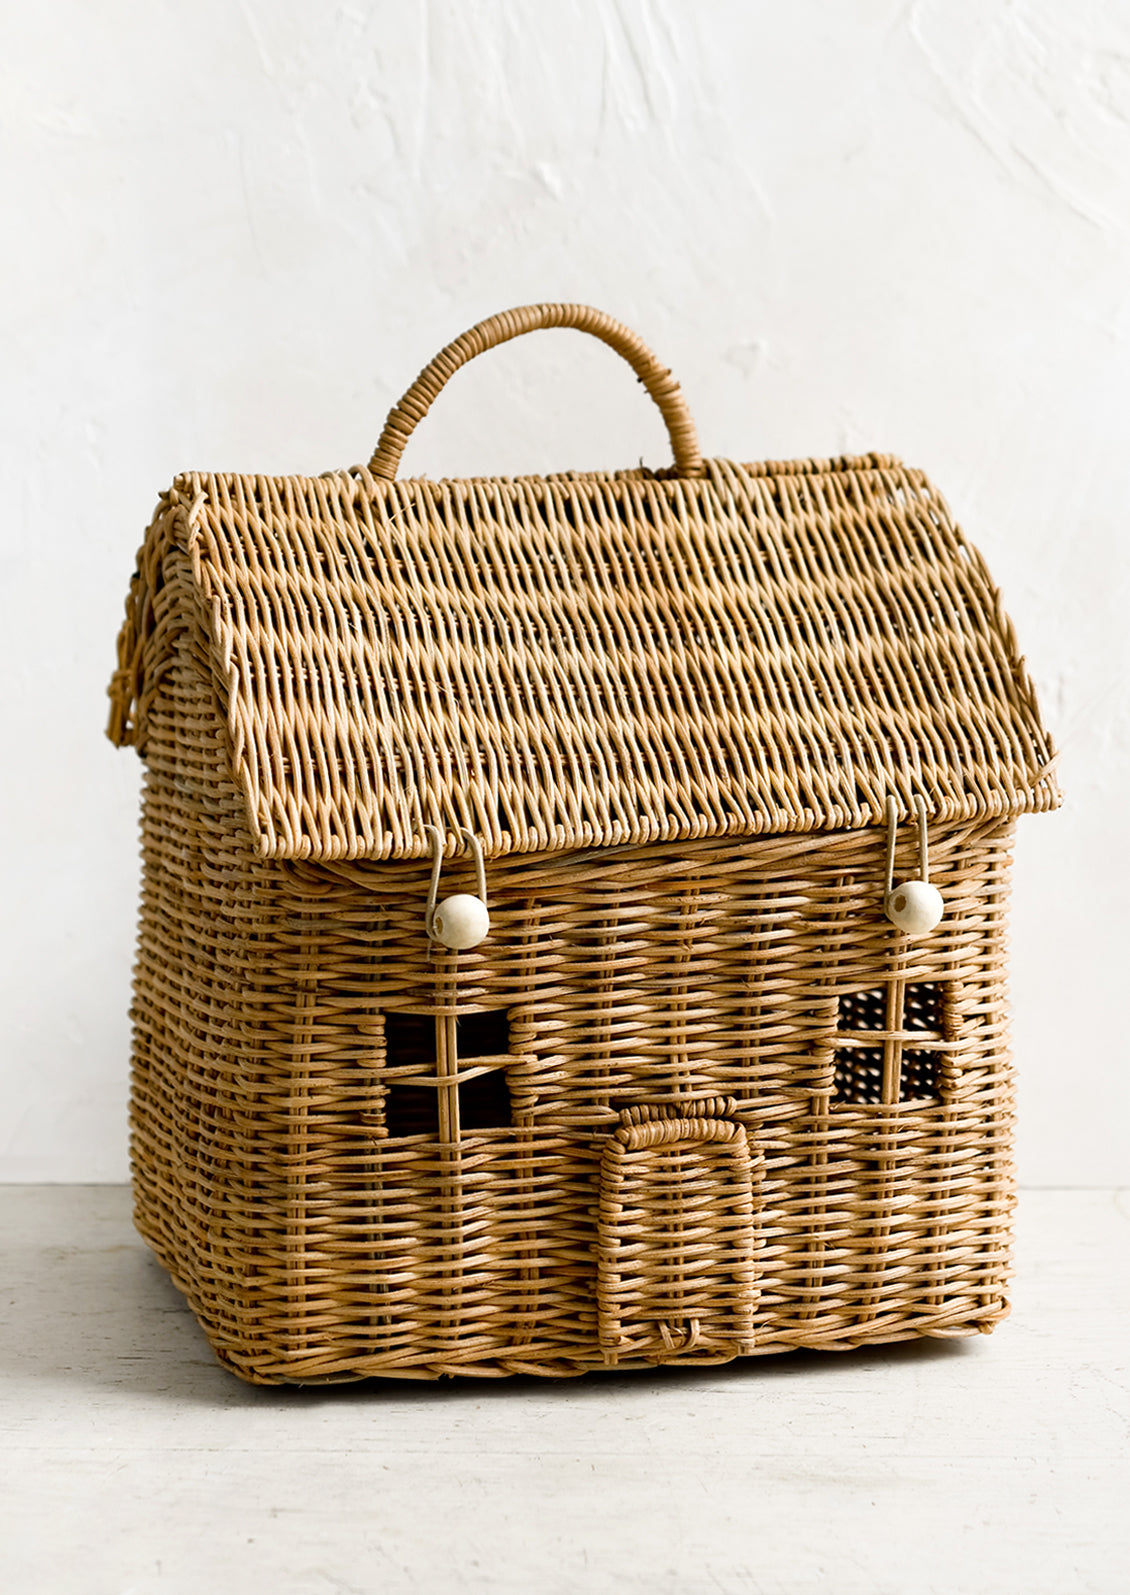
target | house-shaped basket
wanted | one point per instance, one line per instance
(529, 978)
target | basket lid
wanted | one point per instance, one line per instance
(579, 661)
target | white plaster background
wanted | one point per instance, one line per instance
(234, 232)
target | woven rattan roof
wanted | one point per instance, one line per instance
(574, 661)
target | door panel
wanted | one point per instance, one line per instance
(677, 1239)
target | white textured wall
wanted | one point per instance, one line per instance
(235, 232)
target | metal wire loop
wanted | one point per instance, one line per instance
(474, 847)
(892, 832)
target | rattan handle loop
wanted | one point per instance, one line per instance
(414, 406)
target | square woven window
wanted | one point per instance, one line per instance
(919, 1073)
(858, 1067)
(922, 1008)
(410, 1043)
(484, 1102)
(919, 1067)
(410, 1040)
(482, 1035)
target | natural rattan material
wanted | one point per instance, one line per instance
(695, 1096)
(658, 381)
(574, 662)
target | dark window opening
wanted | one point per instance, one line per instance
(858, 1075)
(864, 1010)
(411, 1109)
(919, 1073)
(858, 1064)
(920, 1067)
(482, 1035)
(410, 1040)
(922, 1008)
(484, 1103)
(410, 1046)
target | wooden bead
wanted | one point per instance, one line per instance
(461, 921)
(915, 907)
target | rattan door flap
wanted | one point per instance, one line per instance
(677, 1235)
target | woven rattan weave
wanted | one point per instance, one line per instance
(695, 1095)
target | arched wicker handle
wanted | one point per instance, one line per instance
(414, 406)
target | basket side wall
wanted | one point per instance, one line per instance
(211, 1008)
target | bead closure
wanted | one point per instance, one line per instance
(460, 922)
(915, 907)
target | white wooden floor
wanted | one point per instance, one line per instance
(132, 1463)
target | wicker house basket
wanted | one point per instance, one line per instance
(710, 1080)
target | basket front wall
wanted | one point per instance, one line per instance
(360, 1155)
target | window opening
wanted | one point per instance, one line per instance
(484, 1102)
(482, 1035)
(482, 1042)
(410, 1044)
(484, 1038)
(920, 1067)
(858, 1062)
(410, 1040)
(411, 1109)
(859, 1068)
